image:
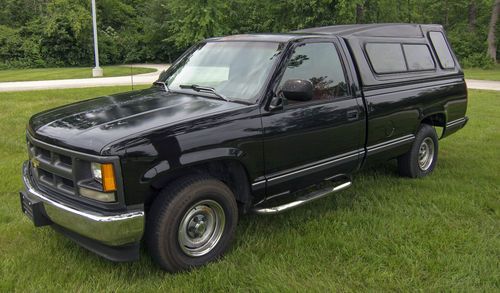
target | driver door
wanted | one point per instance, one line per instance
(308, 141)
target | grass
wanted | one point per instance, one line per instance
(483, 74)
(440, 233)
(66, 73)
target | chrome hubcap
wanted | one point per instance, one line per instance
(201, 228)
(426, 154)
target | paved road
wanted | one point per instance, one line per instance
(146, 78)
(149, 78)
(483, 84)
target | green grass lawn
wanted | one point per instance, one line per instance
(66, 73)
(483, 74)
(438, 233)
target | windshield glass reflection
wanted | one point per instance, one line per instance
(237, 70)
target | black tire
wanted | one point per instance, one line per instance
(409, 164)
(190, 198)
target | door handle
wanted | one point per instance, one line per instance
(352, 115)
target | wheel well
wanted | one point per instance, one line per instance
(438, 119)
(231, 172)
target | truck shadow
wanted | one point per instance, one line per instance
(253, 228)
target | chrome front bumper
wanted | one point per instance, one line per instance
(112, 229)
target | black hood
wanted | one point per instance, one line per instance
(92, 124)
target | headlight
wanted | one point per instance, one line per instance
(104, 175)
(96, 170)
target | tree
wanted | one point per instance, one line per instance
(472, 14)
(196, 20)
(36, 33)
(492, 44)
(359, 13)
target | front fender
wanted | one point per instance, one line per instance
(191, 159)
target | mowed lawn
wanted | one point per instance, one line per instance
(483, 74)
(67, 73)
(438, 233)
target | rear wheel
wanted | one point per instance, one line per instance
(421, 159)
(191, 223)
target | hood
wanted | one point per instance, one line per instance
(92, 124)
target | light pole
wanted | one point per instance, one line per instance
(96, 71)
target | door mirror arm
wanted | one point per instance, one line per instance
(277, 103)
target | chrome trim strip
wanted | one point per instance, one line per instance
(456, 122)
(387, 144)
(111, 229)
(391, 143)
(259, 184)
(332, 160)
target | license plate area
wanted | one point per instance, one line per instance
(34, 211)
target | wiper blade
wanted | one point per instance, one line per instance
(164, 84)
(200, 88)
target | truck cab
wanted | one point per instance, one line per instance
(248, 123)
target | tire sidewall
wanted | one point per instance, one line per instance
(168, 244)
(424, 132)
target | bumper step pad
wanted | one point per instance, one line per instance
(34, 211)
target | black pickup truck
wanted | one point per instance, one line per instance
(247, 123)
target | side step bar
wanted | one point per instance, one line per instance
(301, 200)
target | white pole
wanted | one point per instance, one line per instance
(97, 71)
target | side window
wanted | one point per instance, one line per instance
(442, 50)
(320, 64)
(418, 57)
(399, 58)
(386, 57)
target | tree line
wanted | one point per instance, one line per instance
(47, 33)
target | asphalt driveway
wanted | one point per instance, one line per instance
(148, 78)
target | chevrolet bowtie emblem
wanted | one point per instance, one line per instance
(35, 163)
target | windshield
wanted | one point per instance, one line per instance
(236, 70)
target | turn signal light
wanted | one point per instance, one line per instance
(108, 177)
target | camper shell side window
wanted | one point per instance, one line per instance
(387, 58)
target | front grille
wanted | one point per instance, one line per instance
(60, 172)
(52, 169)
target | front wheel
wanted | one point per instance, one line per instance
(191, 223)
(421, 159)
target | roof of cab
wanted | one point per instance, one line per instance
(257, 38)
(403, 30)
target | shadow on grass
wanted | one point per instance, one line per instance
(251, 228)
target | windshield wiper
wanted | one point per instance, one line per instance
(200, 88)
(164, 84)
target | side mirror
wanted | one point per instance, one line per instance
(298, 90)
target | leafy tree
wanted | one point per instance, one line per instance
(35, 33)
(66, 31)
(196, 20)
(492, 45)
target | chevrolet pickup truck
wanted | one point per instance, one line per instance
(256, 123)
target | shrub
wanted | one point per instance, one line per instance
(477, 60)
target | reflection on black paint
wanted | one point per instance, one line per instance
(320, 64)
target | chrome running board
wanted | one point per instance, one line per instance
(301, 200)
